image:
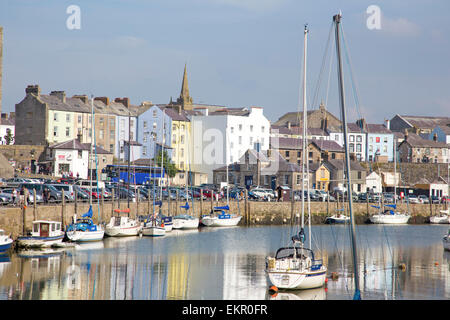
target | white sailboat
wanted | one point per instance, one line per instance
(186, 221)
(442, 218)
(84, 229)
(221, 216)
(338, 217)
(154, 227)
(390, 216)
(122, 226)
(295, 266)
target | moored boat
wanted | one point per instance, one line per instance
(337, 218)
(84, 229)
(446, 241)
(5, 241)
(442, 218)
(390, 216)
(185, 221)
(121, 226)
(219, 218)
(45, 233)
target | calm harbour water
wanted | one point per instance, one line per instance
(228, 264)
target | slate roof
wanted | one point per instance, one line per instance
(424, 122)
(339, 165)
(76, 145)
(417, 141)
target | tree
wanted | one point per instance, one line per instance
(169, 166)
(8, 136)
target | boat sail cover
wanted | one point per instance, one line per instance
(88, 214)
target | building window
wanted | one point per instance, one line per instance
(154, 125)
(240, 139)
(111, 148)
(231, 129)
(358, 147)
(101, 121)
(111, 134)
(144, 150)
(385, 139)
(370, 148)
(111, 122)
(101, 134)
(286, 179)
(299, 177)
(251, 128)
(182, 139)
(145, 124)
(55, 116)
(262, 129)
(359, 174)
(299, 154)
(251, 142)
(358, 138)
(80, 154)
(240, 127)
(67, 131)
(371, 139)
(351, 147)
(336, 137)
(333, 155)
(174, 138)
(79, 119)
(287, 154)
(352, 138)
(55, 131)
(154, 113)
(385, 148)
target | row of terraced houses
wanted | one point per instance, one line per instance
(202, 139)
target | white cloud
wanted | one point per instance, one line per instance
(399, 26)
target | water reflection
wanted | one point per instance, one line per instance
(223, 264)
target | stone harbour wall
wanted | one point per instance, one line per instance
(16, 220)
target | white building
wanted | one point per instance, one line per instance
(374, 183)
(223, 136)
(356, 139)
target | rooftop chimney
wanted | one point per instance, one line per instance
(105, 100)
(4, 116)
(125, 101)
(60, 94)
(387, 124)
(289, 125)
(82, 97)
(34, 89)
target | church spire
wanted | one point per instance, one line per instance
(185, 98)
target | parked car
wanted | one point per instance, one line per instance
(412, 198)
(423, 199)
(5, 197)
(69, 191)
(323, 195)
(263, 194)
(81, 194)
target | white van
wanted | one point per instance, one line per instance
(87, 184)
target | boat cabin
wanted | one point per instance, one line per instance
(44, 228)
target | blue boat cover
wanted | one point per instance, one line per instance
(223, 208)
(224, 216)
(391, 212)
(391, 205)
(88, 214)
(158, 203)
(375, 206)
(186, 206)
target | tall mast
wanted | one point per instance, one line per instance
(337, 20)
(395, 173)
(305, 157)
(90, 149)
(162, 152)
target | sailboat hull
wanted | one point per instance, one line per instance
(185, 223)
(397, 218)
(440, 219)
(85, 236)
(211, 221)
(298, 279)
(153, 231)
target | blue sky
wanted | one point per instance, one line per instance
(238, 52)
